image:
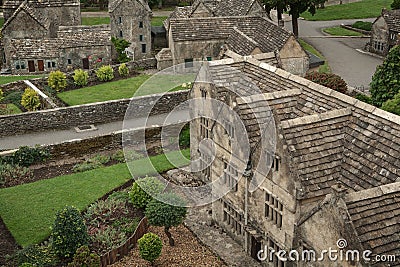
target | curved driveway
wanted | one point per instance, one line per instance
(353, 66)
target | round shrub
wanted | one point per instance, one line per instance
(83, 258)
(81, 77)
(105, 73)
(150, 246)
(393, 105)
(69, 232)
(123, 70)
(30, 99)
(57, 80)
(143, 191)
(329, 80)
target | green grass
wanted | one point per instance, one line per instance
(95, 20)
(107, 91)
(1, 22)
(322, 69)
(9, 79)
(13, 109)
(158, 21)
(29, 210)
(339, 31)
(356, 10)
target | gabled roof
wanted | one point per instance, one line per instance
(392, 18)
(26, 7)
(207, 4)
(375, 214)
(114, 4)
(235, 7)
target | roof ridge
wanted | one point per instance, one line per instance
(245, 36)
(373, 192)
(268, 96)
(217, 18)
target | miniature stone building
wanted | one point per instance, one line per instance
(131, 20)
(385, 32)
(333, 175)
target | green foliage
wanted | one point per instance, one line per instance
(105, 73)
(26, 156)
(159, 213)
(143, 190)
(120, 46)
(86, 166)
(364, 98)
(184, 136)
(150, 246)
(123, 70)
(362, 25)
(84, 258)
(12, 174)
(14, 98)
(57, 80)
(26, 264)
(329, 80)
(69, 232)
(81, 77)
(35, 255)
(386, 80)
(395, 4)
(1, 95)
(101, 159)
(30, 99)
(393, 105)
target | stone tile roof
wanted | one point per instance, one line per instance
(114, 4)
(330, 137)
(375, 214)
(234, 7)
(33, 48)
(264, 35)
(220, 28)
(392, 18)
(31, 11)
(84, 35)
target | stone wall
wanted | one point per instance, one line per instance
(67, 117)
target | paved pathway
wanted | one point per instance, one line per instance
(353, 66)
(58, 136)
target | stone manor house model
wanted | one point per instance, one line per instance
(335, 174)
(44, 35)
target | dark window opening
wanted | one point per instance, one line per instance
(189, 63)
(121, 34)
(140, 24)
(141, 38)
(69, 61)
(120, 20)
(143, 48)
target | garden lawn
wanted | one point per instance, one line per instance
(95, 20)
(339, 31)
(157, 21)
(306, 46)
(10, 79)
(356, 10)
(29, 210)
(103, 92)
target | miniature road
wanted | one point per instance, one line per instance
(58, 136)
(354, 67)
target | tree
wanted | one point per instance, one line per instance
(57, 80)
(329, 80)
(160, 213)
(120, 46)
(143, 190)
(150, 246)
(30, 99)
(393, 105)
(386, 80)
(395, 4)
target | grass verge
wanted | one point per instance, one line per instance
(357, 10)
(158, 21)
(322, 69)
(29, 210)
(90, 21)
(339, 31)
(10, 79)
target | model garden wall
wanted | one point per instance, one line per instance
(67, 117)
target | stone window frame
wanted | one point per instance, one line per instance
(69, 61)
(230, 177)
(275, 260)
(51, 64)
(273, 209)
(393, 36)
(204, 127)
(379, 46)
(20, 64)
(205, 162)
(233, 219)
(273, 162)
(141, 38)
(141, 24)
(144, 48)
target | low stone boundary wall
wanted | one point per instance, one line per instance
(120, 252)
(103, 112)
(348, 27)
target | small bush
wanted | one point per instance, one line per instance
(123, 70)
(14, 98)
(84, 258)
(118, 156)
(57, 80)
(120, 46)
(362, 25)
(105, 73)
(30, 100)
(86, 166)
(108, 239)
(81, 77)
(393, 105)
(69, 232)
(12, 174)
(35, 255)
(26, 156)
(150, 246)
(143, 190)
(101, 159)
(329, 80)
(364, 98)
(1, 95)
(395, 4)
